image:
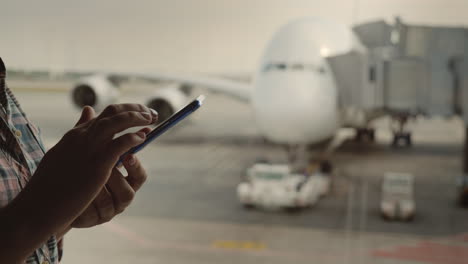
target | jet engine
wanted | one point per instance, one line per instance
(167, 100)
(97, 91)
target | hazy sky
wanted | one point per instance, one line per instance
(220, 36)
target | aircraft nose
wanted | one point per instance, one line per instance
(294, 110)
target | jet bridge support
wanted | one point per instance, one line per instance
(462, 70)
(463, 191)
(465, 152)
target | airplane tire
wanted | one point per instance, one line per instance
(402, 139)
(262, 161)
(409, 218)
(326, 167)
(365, 134)
(409, 142)
(371, 135)
(463, 200)
(248, 206)
(385, 217)
(292, 210)
(358, 137)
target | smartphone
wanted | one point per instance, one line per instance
(166, 125)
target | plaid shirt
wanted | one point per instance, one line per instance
(21, 150)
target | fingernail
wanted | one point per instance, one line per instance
(147, 116)
(141, 134)
(131, 160)
(153, 112)
(154, 115)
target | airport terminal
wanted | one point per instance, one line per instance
(342, 142)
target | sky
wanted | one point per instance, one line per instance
(208, 36)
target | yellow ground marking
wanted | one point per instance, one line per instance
(245, 245)
(312, 167)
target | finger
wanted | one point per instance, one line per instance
(136, 173)
(88, 218)
(121, 191)
(104, 205)
(105, 129)
(86, 114)
(122, 144)
(145, 130)
(115, 109)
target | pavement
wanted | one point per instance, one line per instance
(187, 212)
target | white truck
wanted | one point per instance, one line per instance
(398, 196)
(275, 187)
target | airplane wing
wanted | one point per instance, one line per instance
(99, 89)
(236, 89)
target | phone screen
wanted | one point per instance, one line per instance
(166, 125)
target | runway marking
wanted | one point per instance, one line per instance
(127, 234)
(427, 252)
(463, 237)
(232, 244)
(248, 248)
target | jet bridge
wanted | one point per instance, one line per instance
(407, 69)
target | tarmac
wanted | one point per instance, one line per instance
(187, 212)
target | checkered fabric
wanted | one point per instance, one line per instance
(21, 150)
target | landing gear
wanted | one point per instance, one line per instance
(296, 153)
(463, 197)
(322, 166)
(326, 167)
(401, 137)
(365, 134)
(262, 161)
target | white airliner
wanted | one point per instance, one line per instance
(294, 95)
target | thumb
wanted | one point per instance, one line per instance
(86, 114)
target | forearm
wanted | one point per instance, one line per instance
(12, 232)
(59, 235)
(41, 210)
(20, 234)
(18, 241)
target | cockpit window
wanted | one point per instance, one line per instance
(278, 66)
(297, 67)
(281, 66)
